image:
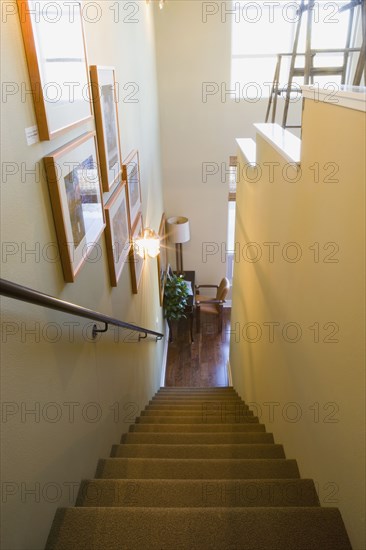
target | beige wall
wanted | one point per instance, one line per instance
(107, 381)
(194, 132)
(309, 392)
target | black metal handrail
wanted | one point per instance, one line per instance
(25, 294)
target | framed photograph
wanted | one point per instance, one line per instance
(131, 174)
(136, 262)
(117, 233)
(54, 42)
(162, 258)
(76, 198)
(106, 118)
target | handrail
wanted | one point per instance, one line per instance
(276, 90)
(25, 294)
(323, 50)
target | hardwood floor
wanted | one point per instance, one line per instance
(203, 362)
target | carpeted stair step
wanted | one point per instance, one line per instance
(197, 395)
(274, 528)
(211, 406)
(191, 468)
(199, 419)
(203, 394)
(194, 398)
(196, 471)
(175, 493)
(208, 411)
(196, 391)
(217, 438)
(194, 428)
(210, 389)
(197, 402)
(197, 451)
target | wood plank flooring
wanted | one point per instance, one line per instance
(202, 363)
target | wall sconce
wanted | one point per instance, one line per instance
(148, 243)
(178, 233)
(161, 3)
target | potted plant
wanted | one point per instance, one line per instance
(175, 299)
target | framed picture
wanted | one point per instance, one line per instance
(76, 198)
(117, 233)
(136, 262)
(162, 258)
(131, 174)
(55, 49)
(106, 118)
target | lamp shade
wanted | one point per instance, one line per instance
(178, 229)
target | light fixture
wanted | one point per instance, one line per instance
(148, 243)
(178, 232)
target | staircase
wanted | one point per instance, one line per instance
(197, 471)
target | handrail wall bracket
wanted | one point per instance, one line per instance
(97, 331)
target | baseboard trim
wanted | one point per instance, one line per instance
(229, 374)
(165, 355)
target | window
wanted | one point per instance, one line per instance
(230, 254)
(262, 29)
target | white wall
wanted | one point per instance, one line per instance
(117, 377)
(193, 132)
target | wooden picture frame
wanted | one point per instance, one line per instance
(131, 174)
(162, 258)
(136, 262)
(117, 233)
(77, 201)
(54, 41)
(103, 83)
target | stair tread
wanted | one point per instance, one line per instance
(189, 396)
(195, 468)
(198, 402)
(187, 393)
(194, 428)
(251, 450)
(200, 438)
(186, 493)
(198, 419)
(242, 411)
(197, 406)
(199, 397)
(273, 528)
(197, 390)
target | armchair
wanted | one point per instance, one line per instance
(212, 306)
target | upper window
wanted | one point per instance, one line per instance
(263, 29)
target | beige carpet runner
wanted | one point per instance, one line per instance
(197, 471)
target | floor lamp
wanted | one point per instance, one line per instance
(178, 231)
